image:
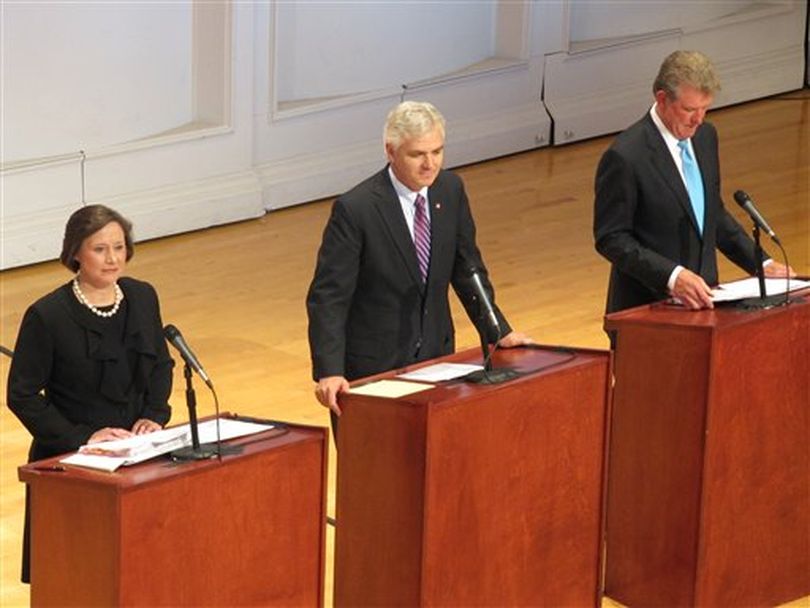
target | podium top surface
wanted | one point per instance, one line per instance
(161, 468)
(531, 363)
(723, 315)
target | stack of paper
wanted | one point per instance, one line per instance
(749, 288)
(439, 372)
(109, 455)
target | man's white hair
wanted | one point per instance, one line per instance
(411, 119)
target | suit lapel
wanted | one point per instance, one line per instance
(662, 161)
(390, 210)
(441, 231)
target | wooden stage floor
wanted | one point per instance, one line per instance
(237, 292)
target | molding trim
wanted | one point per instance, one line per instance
(28, 238)
(511, 33)
(327, 173)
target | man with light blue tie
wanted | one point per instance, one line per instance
(659, 216)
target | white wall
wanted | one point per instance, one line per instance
(169, 163)
(340, 49)
(599, 85)
(84, 76)
(609, 20)
(485, 77)
(198, 113)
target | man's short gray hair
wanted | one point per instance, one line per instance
(411, 119)
(692, 68)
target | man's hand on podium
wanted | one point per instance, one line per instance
(692, 290)
(514, 338)
(328, 389)
(775, 270)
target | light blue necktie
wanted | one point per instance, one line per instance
(694, 183)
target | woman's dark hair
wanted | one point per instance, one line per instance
(87, 221)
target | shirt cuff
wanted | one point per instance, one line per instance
(673, 277)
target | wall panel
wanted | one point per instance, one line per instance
(197, 113)
(315, 147)
(601, 85)
(188, 169)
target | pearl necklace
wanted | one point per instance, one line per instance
(119, 297)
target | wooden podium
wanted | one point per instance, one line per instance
(469, 494)
(709, 480)
(246, 531)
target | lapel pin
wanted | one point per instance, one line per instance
(437, 206)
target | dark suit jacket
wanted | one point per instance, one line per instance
(66, 381)
(369, 310)
(644, 223)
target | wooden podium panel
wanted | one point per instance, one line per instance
(246, 531)
(480, 495)
(709, 480)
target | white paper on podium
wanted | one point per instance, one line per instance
(749, 288)
(439, 372)
(109, 455)
(391, 389)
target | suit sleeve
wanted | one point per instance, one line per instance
(27, 379)
(731, 238)
(615, 210)
(469, 256)
(330, 294)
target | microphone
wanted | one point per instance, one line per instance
(488, 375)
(483, 297)
(744, 201)
(175, 338)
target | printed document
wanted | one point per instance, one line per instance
(109, 455)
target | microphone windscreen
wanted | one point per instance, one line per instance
(741, 197)
(171, 332)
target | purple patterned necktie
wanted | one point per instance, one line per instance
(421, 236)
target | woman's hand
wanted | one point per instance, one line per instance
(109, 434)
(144, 425)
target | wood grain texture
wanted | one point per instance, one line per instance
(248, 530)
(482, 495)
(237, 292)
(708, 487)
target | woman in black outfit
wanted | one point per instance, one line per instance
(90, 363)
